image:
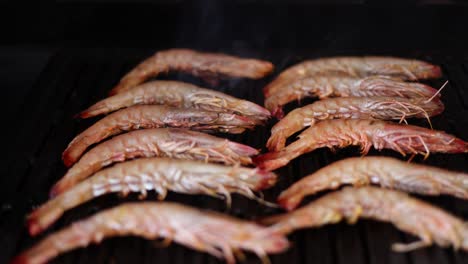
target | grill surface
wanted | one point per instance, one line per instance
(74, 78)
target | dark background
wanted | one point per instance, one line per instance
(57, 58)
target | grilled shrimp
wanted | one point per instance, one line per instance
(197, 63)
(152, 116)
(161, 175)
(340, 133)
(385, 108)
(383, 171)
(406, 69)
(161, 142)
(217, 234)
(429, 223)
(178, 94)
(323, 86)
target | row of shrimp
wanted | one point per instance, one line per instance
(366, 90)
(358, 97)
(164, 149)
(171, 153)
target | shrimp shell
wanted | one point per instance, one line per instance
(159, 174)
(197, 63)
(178, 94)
(153, 116)
(383, 171)
(344, 86)
(162, 142)
(385, 108)
(429, 223)
(406, 69)
(211, 232)
(341, 133)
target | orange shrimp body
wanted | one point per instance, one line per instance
(340, 85)
(178, 94)
(341, 133)
(160, 175)
(406, 69)
(153, 116)
(429, 223)
(161, 142)
(382, 171)
(384, 108)
(214, 233)
(196, 63)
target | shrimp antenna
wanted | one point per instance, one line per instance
(438, 92)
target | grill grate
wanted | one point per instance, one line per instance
(74, 79)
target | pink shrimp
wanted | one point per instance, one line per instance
(161, 175)
(151, 116)
(340, 133)
(197, 63)
(385, 108)
(382, 171)
(340, 85)
(178, 94)
(406, 69)
(160, 142)
(211, 232)
(429, 223)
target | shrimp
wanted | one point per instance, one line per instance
(197, 63)
(219, 235)
(406, 69)
(429, 223)
(340, 133)
(161, 175)
(385, 108)
(153, 116)
(382, 171)
(162, 142)
(178, 94)
(323, 86)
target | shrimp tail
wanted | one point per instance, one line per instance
(59, 188)
(42, 217)
(278, 112)
(72, 152)
(94, 110)
(275, 223)
(80, 143)
(271, 161)
(268, 179)
(288, 201)
(277, 141)
(35, 226)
